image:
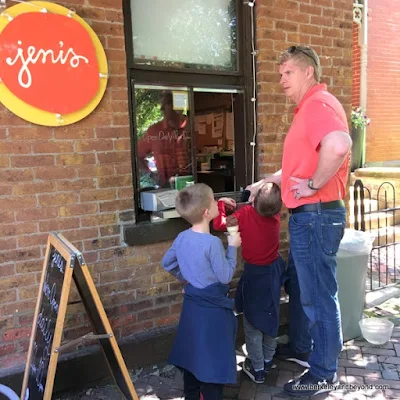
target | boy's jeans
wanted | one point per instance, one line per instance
(312, 287)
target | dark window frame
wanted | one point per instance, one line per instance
(240, 79)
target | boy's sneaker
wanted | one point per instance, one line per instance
(255, 376)
(269, 366)
(309, 385)
(285, 353)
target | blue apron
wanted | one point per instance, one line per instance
(205, 341)
(258, 295)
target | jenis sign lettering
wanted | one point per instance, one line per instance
(53, 67)
(49, 61)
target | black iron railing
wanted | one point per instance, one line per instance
(379, 214)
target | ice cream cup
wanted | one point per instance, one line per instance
(233, 230)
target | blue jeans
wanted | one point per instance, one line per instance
(312, 287)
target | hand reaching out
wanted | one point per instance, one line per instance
(228, 201)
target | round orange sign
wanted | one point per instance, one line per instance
(53, 69)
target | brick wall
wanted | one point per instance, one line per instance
(78, 180)
(326, 25)
(383, 135)
(356, 68)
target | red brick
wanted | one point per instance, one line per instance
(33, 188)
(76, 159)
(52, 147)
(10, 175)
(13, 361)
(117, 181)
(7, 296)
(108, 4)
(119, 68)
(25, 254)
(116, 205)
(59, 224)
(7, 270)
(81, 234)
(30, 133)
(35, 214)
(116, 54)
(95, 171)
(73, 132)
(116, 43)
(14, 147)
(5, 190)
(121, 119)
(123, 169)
(32, 240)
(18, 203)
(98, 195)
(57, 199)
(76, 185)
(8, 243)
(136, 328)
(7, 348)
(107, 28)
(114, 133)
(98, 220)
(94, 145)
(126, 193)
(78, 209)
(114, 16)
(55, 173)
(101, 243)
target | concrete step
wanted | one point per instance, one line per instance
(377, 220)
(386, 235)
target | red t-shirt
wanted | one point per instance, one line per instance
(170, 148)
(318, 114)
(260, 235)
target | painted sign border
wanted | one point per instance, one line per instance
(33, 114)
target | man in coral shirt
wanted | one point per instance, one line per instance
(313, 180)
(168, 141)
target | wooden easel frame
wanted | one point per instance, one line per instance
(77, 268)
(69, 256)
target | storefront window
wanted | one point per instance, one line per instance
(163, 136)
(196, 34)
(185, 135)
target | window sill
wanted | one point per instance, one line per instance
(147, 232)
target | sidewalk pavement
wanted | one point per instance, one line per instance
(374, 372)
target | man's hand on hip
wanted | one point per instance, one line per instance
(301, 188)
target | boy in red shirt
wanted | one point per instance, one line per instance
(259, 289)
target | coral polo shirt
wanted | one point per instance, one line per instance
(318, 114)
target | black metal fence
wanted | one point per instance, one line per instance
(377, 212)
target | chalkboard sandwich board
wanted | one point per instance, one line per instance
(62, 263)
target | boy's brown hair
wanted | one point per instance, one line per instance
(268, 202)
(192, 201)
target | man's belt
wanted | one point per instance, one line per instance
(314, 207)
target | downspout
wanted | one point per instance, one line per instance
(360, 17)
(363, 42)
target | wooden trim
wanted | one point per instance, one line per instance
(82, 267)
(52, 241)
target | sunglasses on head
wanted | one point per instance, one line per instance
(294, 49)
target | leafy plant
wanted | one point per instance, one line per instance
(148, 110)
(359, 118)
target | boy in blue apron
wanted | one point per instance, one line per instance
(204, 347)
(259, 289)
